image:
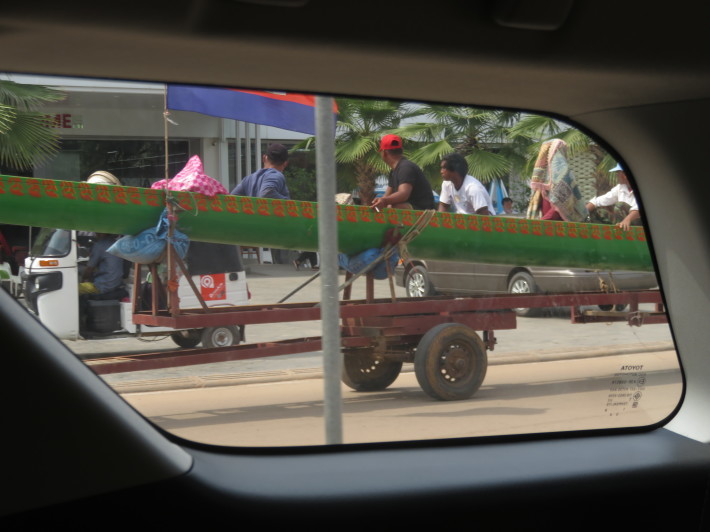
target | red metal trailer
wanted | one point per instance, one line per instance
(438, 334)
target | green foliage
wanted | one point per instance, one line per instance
(481, 135)
(301, 183)
(25, 139)
(361, 124)
(495, 142)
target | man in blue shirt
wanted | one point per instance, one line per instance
(269, 182)
(104, 271)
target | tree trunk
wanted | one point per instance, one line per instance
(365, 175)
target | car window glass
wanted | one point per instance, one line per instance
(511, 290)
(52, 243)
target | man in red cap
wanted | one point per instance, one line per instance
(407, 187)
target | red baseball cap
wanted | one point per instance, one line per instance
(390, 142)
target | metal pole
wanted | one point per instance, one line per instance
(257, 145)
(328, 247)
(247, 149)
(238, 150)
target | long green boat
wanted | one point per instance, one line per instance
(287, 224)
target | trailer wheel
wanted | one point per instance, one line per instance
(619, 308)
(363, 371)
(450, 362)
(187, 339)
(222, 336)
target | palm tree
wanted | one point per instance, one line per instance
(361, 124)
(478, 134)
(25, 139)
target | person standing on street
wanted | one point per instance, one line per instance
(464, 192)
(407, 187)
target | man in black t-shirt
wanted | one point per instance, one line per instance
(407, 187)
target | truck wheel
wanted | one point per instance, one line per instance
(363, 371)
(187, 339)
(222, 336)
(450, 362)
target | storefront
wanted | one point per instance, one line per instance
(120, 127)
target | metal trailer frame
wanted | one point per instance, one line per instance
(438, 334)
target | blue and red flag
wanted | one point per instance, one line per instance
(294, 112)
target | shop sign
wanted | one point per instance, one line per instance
(65, 121)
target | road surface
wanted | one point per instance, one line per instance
(575, 394)
(546, 375)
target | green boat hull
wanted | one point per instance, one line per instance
(294, 225)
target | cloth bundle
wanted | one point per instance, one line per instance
(553, 181)
(192, 178)
(360, 261)
(148, 246)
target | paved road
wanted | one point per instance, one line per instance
(552, 336)
(572, 394)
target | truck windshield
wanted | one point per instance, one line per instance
(52, 243)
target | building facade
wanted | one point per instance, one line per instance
(121, 127)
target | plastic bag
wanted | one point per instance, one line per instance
(148, 247)
(360, 261)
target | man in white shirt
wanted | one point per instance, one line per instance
(621, 193)
(464, 192)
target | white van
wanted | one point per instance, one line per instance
(51, 288)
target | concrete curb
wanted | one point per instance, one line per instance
(234, 379)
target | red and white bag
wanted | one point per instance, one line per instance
(192, 178)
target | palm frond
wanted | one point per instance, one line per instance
(29, 142)
(421, 131)
(486, 166)
(27, 97)
(306, 144)
(25, 139)
(7, 117)
(354, 149)
(576, 141)
(431, 154)
(537, 127)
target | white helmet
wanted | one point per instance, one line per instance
(103, 177)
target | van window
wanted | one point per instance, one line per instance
(511, 289)
(52, 243)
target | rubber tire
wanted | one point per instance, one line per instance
(222, 336)
(516, 285)
(619, 308)
(450, 362)
(418, 276)
(364, 372)
(188, 338)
